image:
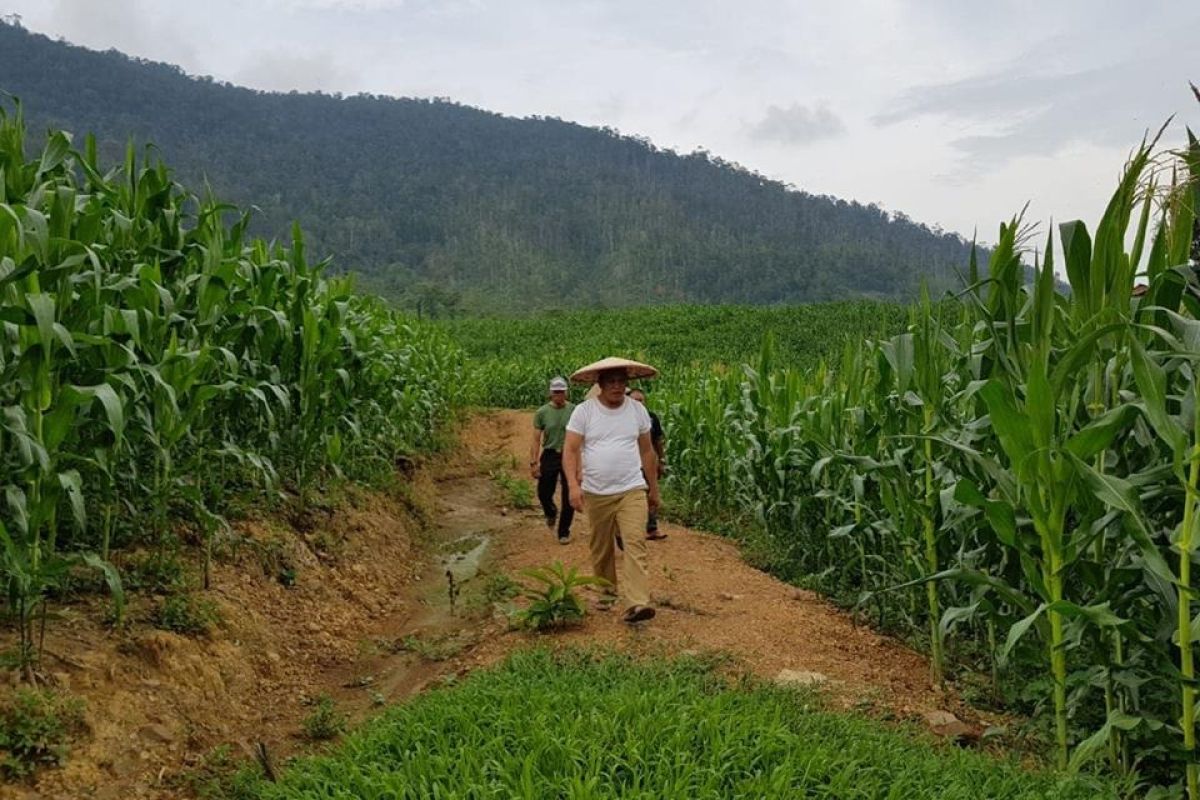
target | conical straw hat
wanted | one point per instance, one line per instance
(634, 369)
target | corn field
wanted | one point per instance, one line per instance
(155, 361)
(512, 359)
(1012, 479)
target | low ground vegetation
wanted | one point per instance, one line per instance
(325, 722)
(553, 597)
(592, 725)
(36, 728)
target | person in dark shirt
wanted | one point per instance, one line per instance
(545, 458)
(660, 451)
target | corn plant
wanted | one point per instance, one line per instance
(552, 599)
(1019, 465)
(156, 361)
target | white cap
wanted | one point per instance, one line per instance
(558, 384)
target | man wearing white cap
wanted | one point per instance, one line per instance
(612, 474)
(545, 457)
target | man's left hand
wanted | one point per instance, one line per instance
(653, 501)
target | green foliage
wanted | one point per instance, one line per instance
(552, 600)
(157, 362)
(275, 558)
(512, 359)
(584, 725)
(500, 587)
(517, 492)
(160, 570)
(472, 210)
(1012, 476)
(325, 722)
(434, 648)
(35, 729)
(187, 613)
(488, 595)
(221, 776)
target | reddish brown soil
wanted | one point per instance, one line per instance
(709, 599)
(157, 702)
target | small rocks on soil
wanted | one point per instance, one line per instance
(800, 677)
(157, 733)
(943, 723)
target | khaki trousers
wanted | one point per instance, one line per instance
(618, 542)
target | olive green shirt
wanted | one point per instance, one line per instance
(553, 424)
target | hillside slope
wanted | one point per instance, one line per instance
(454, 206)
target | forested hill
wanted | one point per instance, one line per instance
(455, 206)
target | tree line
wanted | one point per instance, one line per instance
(447, 207)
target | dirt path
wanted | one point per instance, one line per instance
(709, 599)
(371, 623)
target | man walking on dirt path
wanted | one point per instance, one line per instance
(545, 458)
(659, 442)
(612, 474)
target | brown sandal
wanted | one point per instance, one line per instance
(637, 614)
(654, 536)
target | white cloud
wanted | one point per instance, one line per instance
(797, 124)
(338, 5)
(305, 71)
(130, 26)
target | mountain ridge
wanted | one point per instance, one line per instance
(457, 208)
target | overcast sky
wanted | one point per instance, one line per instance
(955, 112)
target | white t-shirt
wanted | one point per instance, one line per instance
(612, 461)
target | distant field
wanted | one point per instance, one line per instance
(513, 358)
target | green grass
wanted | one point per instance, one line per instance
(36, 727)
(583, 725)
(187, 613)
(434, 648)
(515, 492)
(325, 721)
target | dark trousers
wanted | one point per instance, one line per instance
(551, 474)
(652, 517)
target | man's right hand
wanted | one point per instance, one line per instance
(536, 471)
(576, 496)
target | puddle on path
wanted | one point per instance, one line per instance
(466, 556)
(411, 651)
